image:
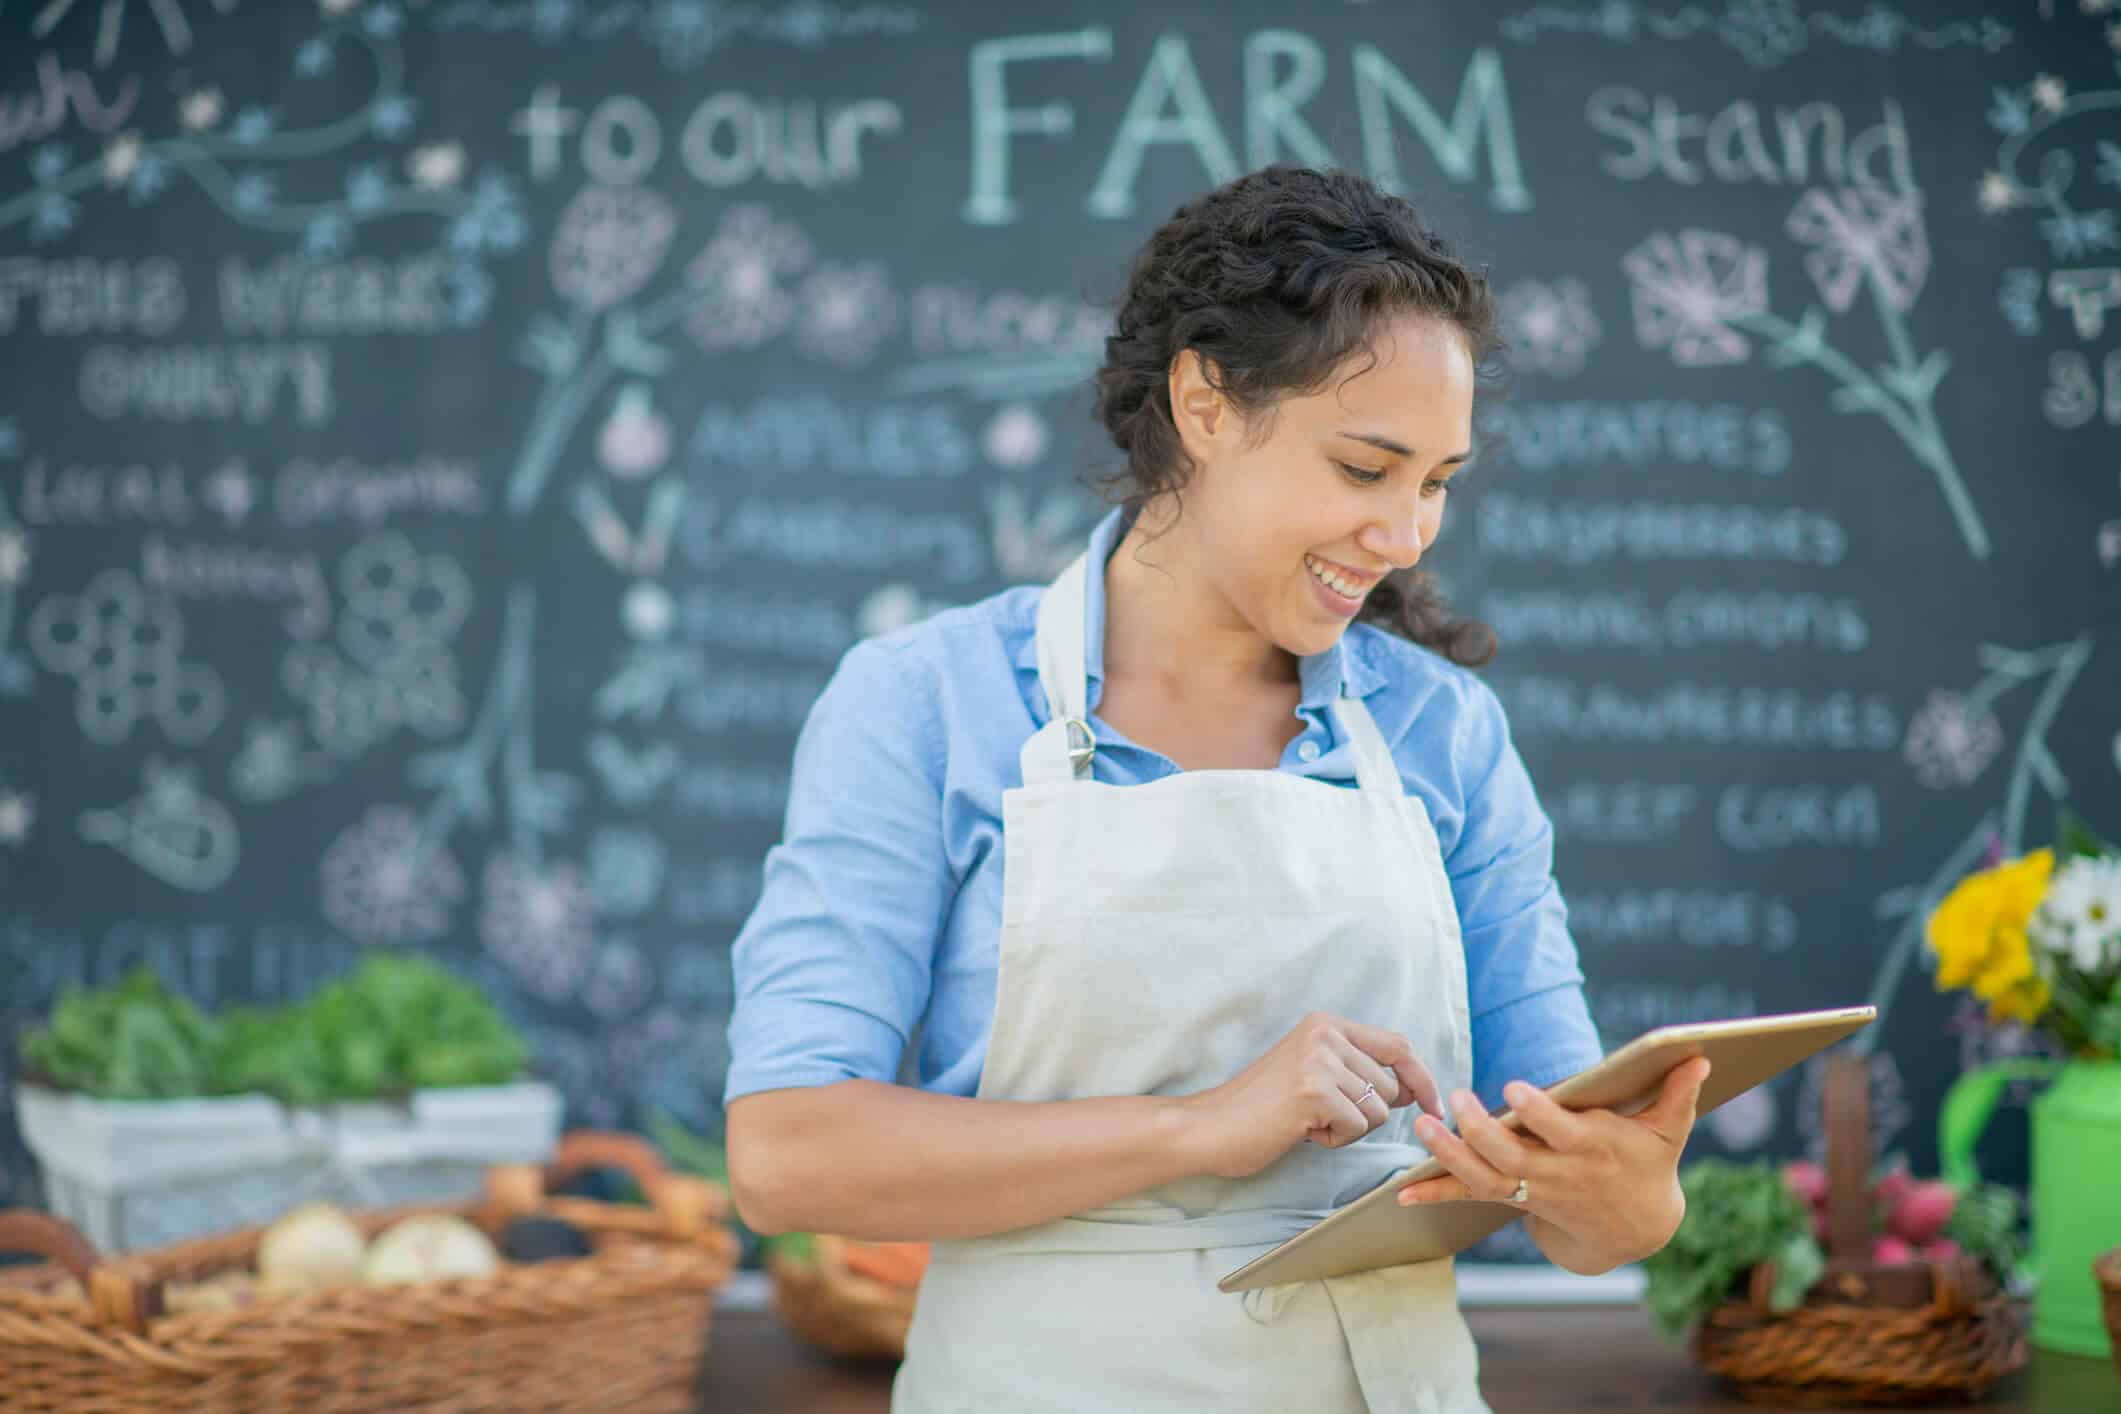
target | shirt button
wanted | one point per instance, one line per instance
(1309, 750)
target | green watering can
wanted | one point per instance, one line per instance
(2076, 1183)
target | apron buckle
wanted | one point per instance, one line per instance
(1079, 756)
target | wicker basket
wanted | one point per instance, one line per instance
(621, 1329)
(2107, 1272)
(1866, 1334)
(842, 1311)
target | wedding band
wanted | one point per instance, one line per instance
(1523, 1193)
(1367, 1092)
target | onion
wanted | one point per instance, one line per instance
(429, 1247)
(310, 1248)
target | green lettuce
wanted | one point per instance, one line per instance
(396, 1023)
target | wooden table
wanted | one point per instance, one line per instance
(1534, 1359)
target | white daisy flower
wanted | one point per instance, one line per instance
(2080, 916)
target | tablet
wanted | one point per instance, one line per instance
(1376, 1231)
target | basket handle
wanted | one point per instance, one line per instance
(1847, 1097)
(685, 1204)
(120, 1292)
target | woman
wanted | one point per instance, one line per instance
(1205, 869)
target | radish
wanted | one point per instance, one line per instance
(1806, 1179)
(1892, 1186)
(1819, 1223)
(1923, 1210)
(1942, 1249)
(1891, 1252)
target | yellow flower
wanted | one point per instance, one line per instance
(1978, 936)
(2024, 1003)
(1960, 929)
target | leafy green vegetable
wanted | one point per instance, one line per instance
(396, 1023)
(1737, 1215)
(131, 1040)
(1984, 1223)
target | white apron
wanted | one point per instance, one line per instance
(1155, 940)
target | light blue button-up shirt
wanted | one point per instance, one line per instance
(881, 906)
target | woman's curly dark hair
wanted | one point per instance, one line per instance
(1276, 278)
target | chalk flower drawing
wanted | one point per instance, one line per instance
(609, 243)
(1951, 740)
(1550, 324)
(1997, 834)
(380, 887)
(1703, 293)
(1862, 234)
(228, 159)
(738, 277)
(683, 32)
(1690, 290)
(438, 166)
(846, 309)
(2019, 299)
(538, 923)
(1766, 33)
(2029, 116)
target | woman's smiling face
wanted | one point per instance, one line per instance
(1291, 520)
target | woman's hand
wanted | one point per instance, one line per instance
(1603, 1187)
(1305, 1087)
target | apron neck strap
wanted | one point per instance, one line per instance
(1061, 749)
(1374, 768)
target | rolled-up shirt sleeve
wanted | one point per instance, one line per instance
(833, 967)
(1530, 1019)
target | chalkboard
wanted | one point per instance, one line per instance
(445, 447)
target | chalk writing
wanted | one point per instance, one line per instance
(249, 383)
(1755, 818)
(1587, 531)
(728, 139)
(1622, 812)
(1170, 107)
(1736, 145)
(1706, 713)
(64, 96)
(1541, 437)
(1694, 618)
(1693, 918)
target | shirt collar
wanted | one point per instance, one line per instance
(1344, 666)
